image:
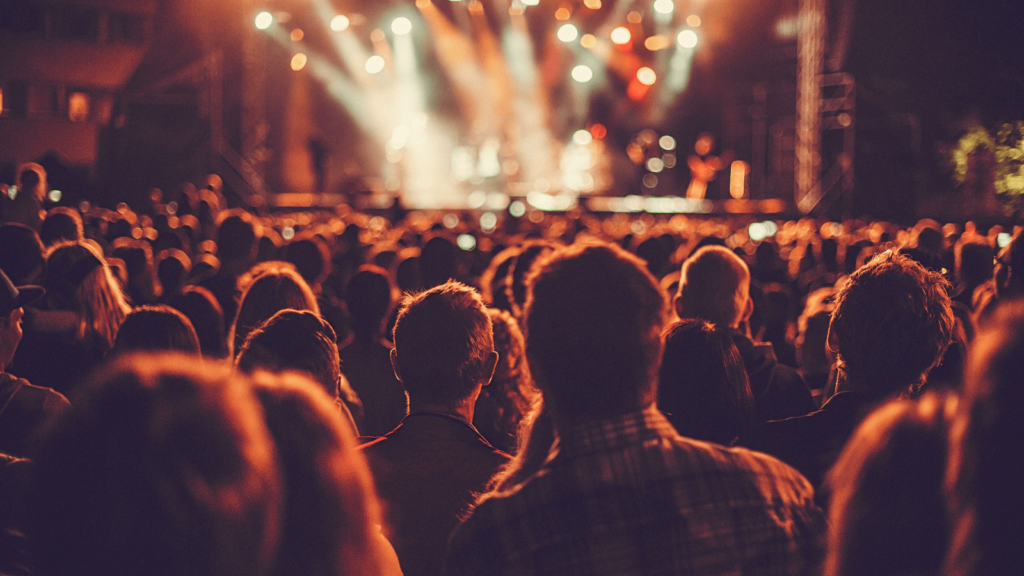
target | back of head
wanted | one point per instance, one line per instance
(158, 328)
(974, 262)
(78, 279)
(702, 385)
(162, 468)
(172, 269)
(21, 253)
(368, 298)
(331, 509)
(61, 223)
(1009, 271)
(294, 340)
(275, 286)
(204, 312)
(237, 234)
(443, 339)
(311, 257)
(714, 286)
(593, 323)
(987, 464)
(892, 323)
(437, 261)
(494, 280)
(888, 513)
(519, 269)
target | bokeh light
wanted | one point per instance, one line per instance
(567, 33)
(582, 137)
(687, 39)
(339, 23)
(664, 6)
(621, 35)
(646, 76)
(582, 73)
(264, 20)
(374, 64)
(401, 26)
(298, 61)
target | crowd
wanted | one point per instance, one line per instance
(191, 389)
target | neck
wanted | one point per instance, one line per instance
(463, 409)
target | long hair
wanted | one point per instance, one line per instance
(267, 289)
(80, 280)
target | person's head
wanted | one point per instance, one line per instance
(157, 328)
(21, 253)
(593, 322)
(891, 324)
(61, 223)
(519, 269)
(702, 385)
(715, 286)
(13, 299)
(368, 299)
(204, 312)
(494, 280)
(237, 235)
(974, 261)
(311, 257)
(331, 510)
(986, 463)
(162, 468)
(172, 270)
(32, 181)
(137, 256)
(438, 261)
(444, 345)
(294, 340)
(79, 280)
(270, 287)
(888, 514)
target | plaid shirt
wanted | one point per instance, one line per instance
(632, 496)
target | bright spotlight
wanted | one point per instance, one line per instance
(667, 142)
(567, 33)
(687, 39)
(264, 20)
(55, 195)
(401, 26)
(582, 73)
(517, 209)
(531, 2)
(646, 76)
(466, 241)
(588, 41)
(582, 137)
(621, 35)
(298, 61)
(374, 64)
(655, 164)
(339, 23)
(664, 6)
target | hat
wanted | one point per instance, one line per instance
(13, 297)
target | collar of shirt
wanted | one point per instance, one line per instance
(609, 434)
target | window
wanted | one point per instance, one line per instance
(78, 106)
(125, 27)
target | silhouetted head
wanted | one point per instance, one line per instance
(266, 289)
(294, 340)
(157, 328)
(715, 287)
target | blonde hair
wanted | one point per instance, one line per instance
(96, 297)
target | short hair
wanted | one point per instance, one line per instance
(888, 511)
(311, 257)
(893, 321)
(21, 252)
(986, 467)
(162, 468)
(702, 386)
(443, 338)
(714, 286)
(61, 223)
(331, 511)
(294, 340)
(593, 322)
(368, 298)
(156, 328)
(237, 235)
(268, 288)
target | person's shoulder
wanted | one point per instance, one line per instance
(745, 466)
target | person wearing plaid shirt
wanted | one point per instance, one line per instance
(621, 491)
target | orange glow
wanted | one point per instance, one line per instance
(562, 13)
(588, 41)
(299, 61)
(738, 179)
(693, 21)
(297, 35)
(655, 43)
(592, 4)
(634, 17)
(646, 76)
(621, 35)
(598, 131)
(637, 89)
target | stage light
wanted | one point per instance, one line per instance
(687, 39)
(401, 26)
(567, 33)
(297, 35)
(562, 13)
(582, 137)
(757, 231)
(667, 142)
(592, 4)
(664, 6)
(517, 209)
(340, 23)
(264, 20)
(655, 165)
(599, 131)
(650, 180)
(657, 42)
(374, 64)
(299, 61)
(488, 221)
(621, 35)
(588, 41)
(693, 21)
(530, 2)
(55, 196)
(582, 73)
(634, 17)
(466, 241)
(646, 76)
(450, 221)
(288, 233)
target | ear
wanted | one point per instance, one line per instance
(489, 366)
(832, 341)
(394, 364)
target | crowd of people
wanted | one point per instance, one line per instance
(191, 389)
